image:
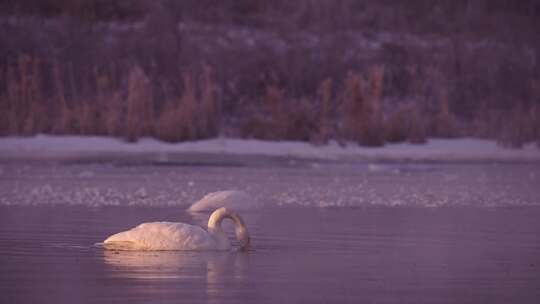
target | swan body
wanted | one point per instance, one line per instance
(180, 236)
(234, 199)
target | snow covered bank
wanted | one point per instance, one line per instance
(465, 149)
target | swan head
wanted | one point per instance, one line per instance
(240, 229)
(242, 235)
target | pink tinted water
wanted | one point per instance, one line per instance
(300, 255)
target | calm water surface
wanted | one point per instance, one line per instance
(449, 249)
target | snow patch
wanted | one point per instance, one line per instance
(465, 149)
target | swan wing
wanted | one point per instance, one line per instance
(162, 236)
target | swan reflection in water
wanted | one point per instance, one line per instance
(219, 271)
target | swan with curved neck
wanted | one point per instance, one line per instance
(180, 236)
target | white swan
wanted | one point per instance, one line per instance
(234, 199)
(180, 236)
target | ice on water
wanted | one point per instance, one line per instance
(324, 185)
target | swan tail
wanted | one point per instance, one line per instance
(123, 241)
(123, 245)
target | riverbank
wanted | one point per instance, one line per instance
(435, 150)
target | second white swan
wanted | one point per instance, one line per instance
(235, 199)
(180, 236)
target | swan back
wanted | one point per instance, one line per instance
(235, 199)
(165, 236)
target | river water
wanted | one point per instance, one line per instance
(325, 233)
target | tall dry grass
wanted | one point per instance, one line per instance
(168, 125)
(444, 123)
(196, 114)
(9, 99)
(323, 129)
(524, 125)
(536, 120)
(255, 126)
(274, 100)
(114, 113)
(353, 101)
(282, 117)
(406, 123)
(362, 107)
(397, 125)
(518, 128)
(187, 110)
(417, 128)
(271, 122)
(65, 121)
(418, 113)
(5, 110)
(140, 106)
(124, 102)
(36, 116)
(211, 111)
(300, 120)
(24, 108)
(534, 87)
(178, 118)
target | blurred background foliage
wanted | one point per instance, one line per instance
(369, 71)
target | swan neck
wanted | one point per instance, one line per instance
(214, 222)
(214, 225)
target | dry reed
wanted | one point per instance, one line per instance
(274, 100)
(362, 98)
(417, 128)
(168, 126)
(140, 111)
(255, 126)
(299, 120)
(397, 125)
(187, 117)
(323, 128)
(64, 123)
(444, 123)
(211, 107)
(37, 98)
(518, 128)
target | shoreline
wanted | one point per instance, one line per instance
(51, 147)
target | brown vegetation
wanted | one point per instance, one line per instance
(301, 70)
(140, 107)
(281, 118)
(28, 108)
(362, 114)
(323, 129)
